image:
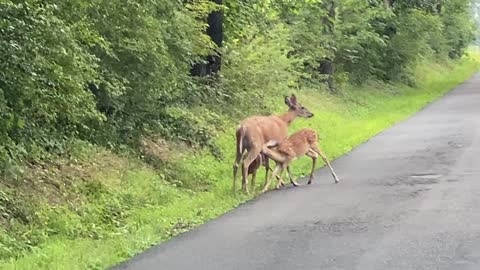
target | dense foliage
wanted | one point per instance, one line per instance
(112, 73)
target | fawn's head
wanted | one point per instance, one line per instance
(298, 108)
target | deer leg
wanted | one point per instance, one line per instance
(269, 180)
(267, 168)
(254, 178)
(313, 156)
(279, 179)
(294, 183)
(325, 159)
(266, 163)
(276, 156)
(251, 156)
(235, 168)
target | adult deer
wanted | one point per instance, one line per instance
(255, 131)
(302, 142)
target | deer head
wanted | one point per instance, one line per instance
(297, 107)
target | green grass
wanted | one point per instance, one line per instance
(132, 207)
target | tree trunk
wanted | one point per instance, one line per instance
(213, 62)
(327, 66)
(386, 3)
(439, 8)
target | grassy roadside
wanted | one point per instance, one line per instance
(148, 210)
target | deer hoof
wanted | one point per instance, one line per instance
(309, 182)
(295, 184)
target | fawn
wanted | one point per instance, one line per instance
(303, 142)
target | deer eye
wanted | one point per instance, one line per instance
(303, 108)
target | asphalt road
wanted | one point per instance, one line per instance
(408, 199)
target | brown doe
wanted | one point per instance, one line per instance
(302, 142)
(255, 131)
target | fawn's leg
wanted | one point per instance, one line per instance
(276, 156)
(294, 183)
(325, 159)
(279, 180)
(269, 180)
(270, 169)
(313, 155)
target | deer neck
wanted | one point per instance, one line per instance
(288, 117)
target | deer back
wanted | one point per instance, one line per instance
(299, 142)
(261, 129)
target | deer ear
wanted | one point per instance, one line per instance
(287, 100)
(293, 99)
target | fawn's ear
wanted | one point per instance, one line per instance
(293, 100)
(287, 101)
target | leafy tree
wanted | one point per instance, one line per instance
(111, 72)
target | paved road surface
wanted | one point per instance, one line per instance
(409, 199)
